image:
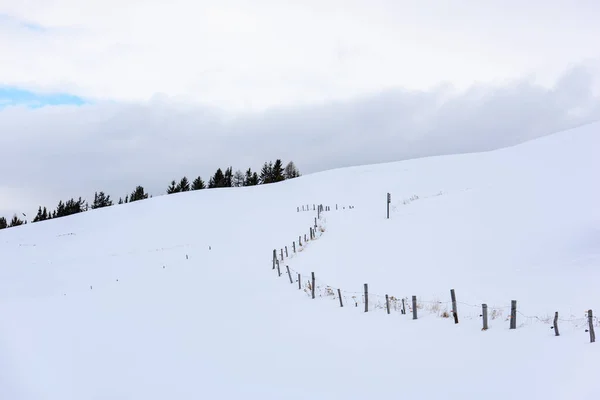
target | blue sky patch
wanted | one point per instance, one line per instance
(12, 96)
(8, 20)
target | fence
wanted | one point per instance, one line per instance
(370, 302)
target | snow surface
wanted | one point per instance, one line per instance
(175, 297)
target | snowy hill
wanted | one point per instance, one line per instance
(175, 296)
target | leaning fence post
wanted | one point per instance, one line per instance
(556, 324)
(278, 270)
(454, 311)
(313, 285)
(414, 306)
(513, 314)
(340, 296)
(591, 326)
(403, 307)
(485, 317)
(274, 257)
(289, 273)
(387, 303)
(366, 297)
(281, 254)
(286, 252)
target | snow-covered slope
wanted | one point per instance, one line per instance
(175, 297)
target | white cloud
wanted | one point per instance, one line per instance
(53, 153)
(249, 55)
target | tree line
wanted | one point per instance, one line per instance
(271, 172)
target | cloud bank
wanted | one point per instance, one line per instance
(56, 152)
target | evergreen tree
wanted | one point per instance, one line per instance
(248, 177)
(39, 216)
(3, 223)
(290, 171)
(120, 200)
(238, 179)
(45, 214)
(229, 177)
(101, 200)
(277, 171)
(172, 188)
(198, 184)
(255, 179)
(184, 185)
(218, 180)
(16, 221)
(127, 199)
(138, 194)
(266, 173)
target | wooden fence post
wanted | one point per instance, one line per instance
(299, 240)
(403, 307)
(274, 257)
(315, 222)
(591, 326)
(454, 310)
(305, 238)
(294, 246)
(281, 254)
(485, 317)
(286, 252)
(299, 281)
(298, 209)
(389, 198)
(387, 303)
(278, 270)
(414, 306)
(313, 285)
(366, 298)
(556, 324)
(289, 273)
(513, 314)
(340, 296)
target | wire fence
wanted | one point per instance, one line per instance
(366, 301)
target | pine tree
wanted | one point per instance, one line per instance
(138, 194)
(277, 171)
(255, 179)
(120, 200)
(39, 216)
(248, 177)
(16, 221)
(218, 180)
(3, 223)
(198, 184)
(266, 173)
(172, 188)
(290, 171)
(127, 199)
(238, 179)
(184, 185)
(101, 200)
(45, 214)
(228, 177)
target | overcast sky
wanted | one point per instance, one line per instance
(106, 95)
